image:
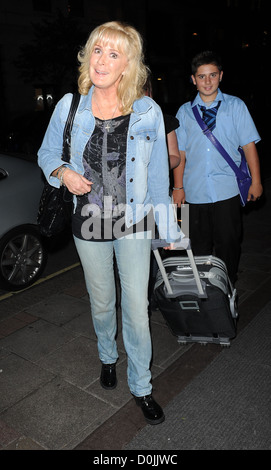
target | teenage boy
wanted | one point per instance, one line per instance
(204, 179)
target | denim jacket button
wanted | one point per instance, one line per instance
(132, 137)
(148, 137)
(131, 200)
(131, 180)
(133, 159)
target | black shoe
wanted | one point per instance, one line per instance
(108, 378)
(153, 413)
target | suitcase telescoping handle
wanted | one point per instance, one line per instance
(184, 244)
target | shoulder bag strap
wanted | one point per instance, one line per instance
(216, 143)
(66, 152)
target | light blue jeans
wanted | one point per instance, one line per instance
(133, 260)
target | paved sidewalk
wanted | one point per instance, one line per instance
(51, 398)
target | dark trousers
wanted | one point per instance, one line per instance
(216, 229)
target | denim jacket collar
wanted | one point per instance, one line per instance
(140, 106)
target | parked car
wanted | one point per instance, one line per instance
(23, 255)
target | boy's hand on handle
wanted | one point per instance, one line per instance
(178, 197)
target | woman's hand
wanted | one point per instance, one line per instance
(76, 184)
(169, 247)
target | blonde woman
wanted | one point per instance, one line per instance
(119, 176)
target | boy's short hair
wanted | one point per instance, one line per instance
(204, 58)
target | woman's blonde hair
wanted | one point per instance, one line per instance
(129, 42)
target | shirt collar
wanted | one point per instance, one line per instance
(198, 100)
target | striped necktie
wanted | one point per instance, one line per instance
(209, 115)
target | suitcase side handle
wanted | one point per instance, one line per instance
(184, 244)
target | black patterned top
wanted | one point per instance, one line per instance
(104, 161)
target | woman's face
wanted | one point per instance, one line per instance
(107, 65)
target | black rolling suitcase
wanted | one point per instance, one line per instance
(195, 296)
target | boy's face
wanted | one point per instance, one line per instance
(207, 80)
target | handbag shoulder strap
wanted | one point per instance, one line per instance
(216, 142)
(66, 152)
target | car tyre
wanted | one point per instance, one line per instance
(22, 258)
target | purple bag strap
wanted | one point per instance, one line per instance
(216, 143)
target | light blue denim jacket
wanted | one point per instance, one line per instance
(147, 171)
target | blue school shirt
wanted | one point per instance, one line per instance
(207, 176)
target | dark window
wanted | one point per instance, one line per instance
(44, 98)
(42, 5)
(76, 8)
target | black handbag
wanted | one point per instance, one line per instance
(56, 204)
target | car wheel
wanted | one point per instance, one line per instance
(22, 258)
